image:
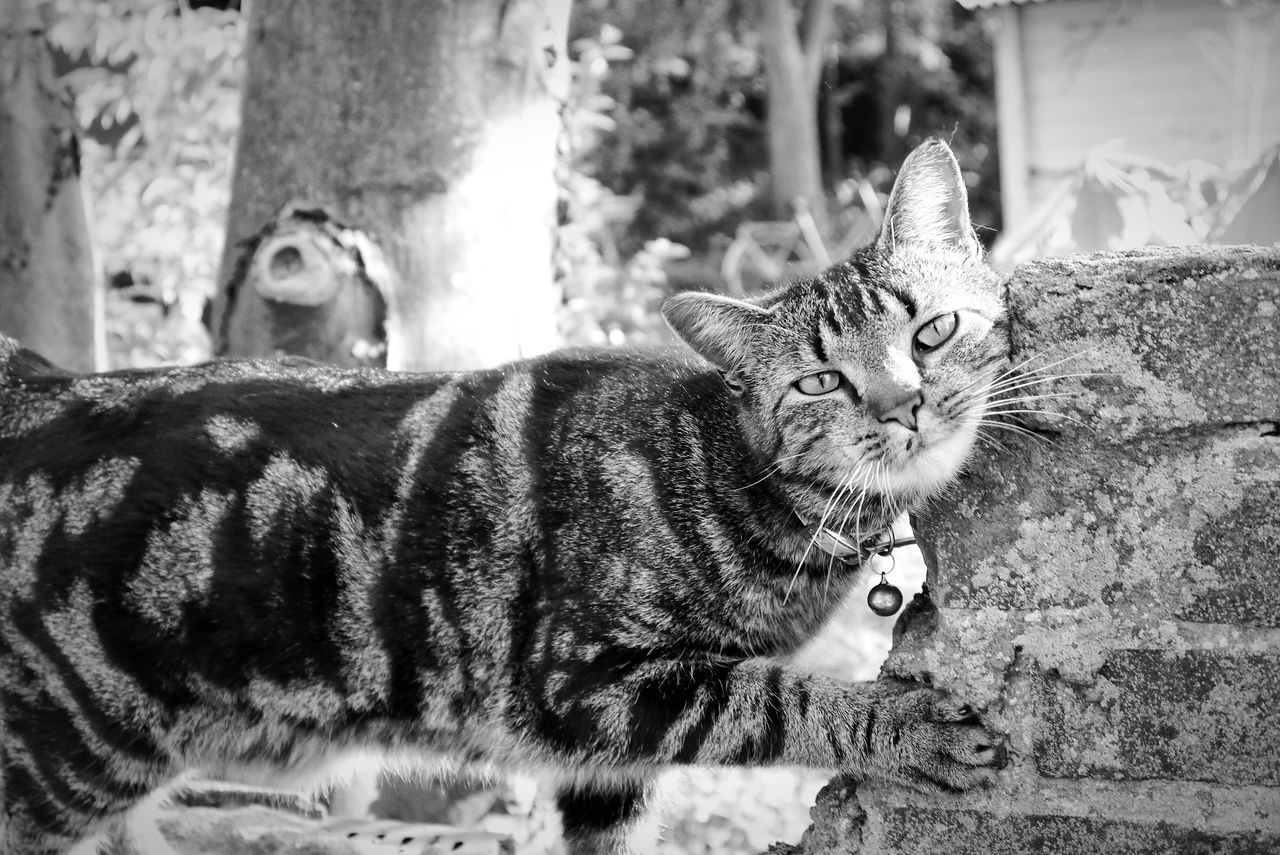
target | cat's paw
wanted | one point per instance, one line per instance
(923, 736)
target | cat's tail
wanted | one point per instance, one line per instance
(18, 364)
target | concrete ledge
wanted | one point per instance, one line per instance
(1108, 593)
(1187, 333)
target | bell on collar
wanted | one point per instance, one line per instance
(884, 599)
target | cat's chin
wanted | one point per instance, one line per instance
(927, 467)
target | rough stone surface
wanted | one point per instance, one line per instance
(1176, 525)
(1180, 336)
(966, 832)
(1238, 553)
(1107, 592)
(837, 820)
(1199, 715)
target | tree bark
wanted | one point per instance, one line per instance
(892, 128)
(319, 286)
(49, 294)
(794, 45)
(431, 127)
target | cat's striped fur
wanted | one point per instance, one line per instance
(582, 562)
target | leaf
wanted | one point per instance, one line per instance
(1257, 218)
(1097, 218)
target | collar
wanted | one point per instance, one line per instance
(839, 545)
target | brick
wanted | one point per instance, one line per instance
(1110, 598)
(1189, 337)
(1181, 526)
(925, 831)
(1192, 716)
(1243, 549)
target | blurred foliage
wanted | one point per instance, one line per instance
(937, 79)
(665, 149)
(687, 142)
(1118, 200)
(157, 90)
(609, 297)
(663, 154)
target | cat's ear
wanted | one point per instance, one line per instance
(929, 204)
(719, 328)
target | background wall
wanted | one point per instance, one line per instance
(1178, 81)
(1109, 591)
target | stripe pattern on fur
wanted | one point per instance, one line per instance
(586, 562)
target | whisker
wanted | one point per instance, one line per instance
(1015, 373)
(1024, 382)
(866, 481)
(1015, 429)
(855, 510)
(990, 440)
(1046, 366)
(817, 531)
(767, 474)
(1018, 400)
(1038, 397)
(1008, 412)
(772, 469)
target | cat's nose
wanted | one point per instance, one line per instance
(897, 409)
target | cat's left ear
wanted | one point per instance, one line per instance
(719, 328)
(929, 204)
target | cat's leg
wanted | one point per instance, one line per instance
(36, 821)
(56, 801)
(604, 817)
(132, 832)
(629, 709)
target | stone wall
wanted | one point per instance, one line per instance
(1108, 591)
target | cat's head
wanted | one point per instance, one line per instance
(872, 373)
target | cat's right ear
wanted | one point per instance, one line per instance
(929, 204)
(720, 329)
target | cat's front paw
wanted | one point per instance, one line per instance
(922, 735)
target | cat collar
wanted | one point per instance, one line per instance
(883, 599)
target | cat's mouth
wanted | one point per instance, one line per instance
(923, 462)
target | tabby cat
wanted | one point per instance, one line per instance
(580, 563)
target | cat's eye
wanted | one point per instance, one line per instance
(820, 383)
(933, 334)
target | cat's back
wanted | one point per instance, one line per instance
(152, 442)
(626, 383)
(54, 420)
(100, 474)
(157, 438)
(37, 399)
(221, 507)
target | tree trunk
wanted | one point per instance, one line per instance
(430, 126)
(893, 122)
(48, 283)
(793, 51)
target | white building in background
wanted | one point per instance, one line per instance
(1173, 80)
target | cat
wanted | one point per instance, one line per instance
(585, 562)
